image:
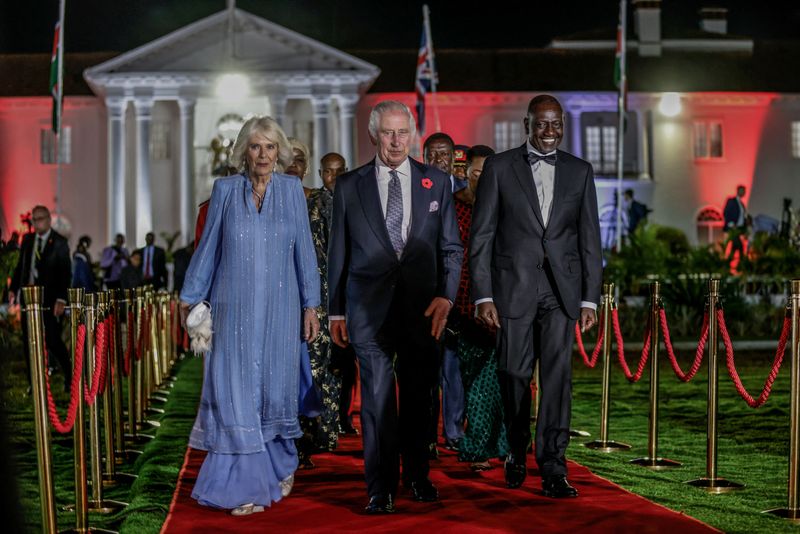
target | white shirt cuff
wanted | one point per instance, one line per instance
(336, 318)
(62, 301)
(481, 301)
(590, 305)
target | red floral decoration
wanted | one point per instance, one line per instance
(427, 183)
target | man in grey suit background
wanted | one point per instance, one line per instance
(535, 259)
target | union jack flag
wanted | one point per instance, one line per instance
(426, 78)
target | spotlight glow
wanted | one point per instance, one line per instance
(670, 104)
(233, 86)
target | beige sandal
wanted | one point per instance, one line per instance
(247, 509)
(286, 485)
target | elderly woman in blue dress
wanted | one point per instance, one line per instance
(256, 265)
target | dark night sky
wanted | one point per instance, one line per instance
(103, 25)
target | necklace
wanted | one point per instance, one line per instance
(259, 198)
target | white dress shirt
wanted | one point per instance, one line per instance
(544, 179)
(383, 177)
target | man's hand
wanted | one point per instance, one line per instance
(438, 311)
(58, 308)
(338, 328)
(487, 313)
(588, 319)
(310, 324)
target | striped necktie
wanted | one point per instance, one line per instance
(394, 213)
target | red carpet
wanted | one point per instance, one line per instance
(331, 497)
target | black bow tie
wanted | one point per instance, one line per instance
(533, 157)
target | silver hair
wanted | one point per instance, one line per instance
(385, 107)
(269, 128)
(296, 143)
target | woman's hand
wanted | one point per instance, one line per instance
(310, 324)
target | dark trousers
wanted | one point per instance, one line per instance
(452, 404)
(403, 348)
(55, 344)
(546, 334)
(344, 361)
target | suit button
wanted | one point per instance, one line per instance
(544, 240)
(539, 266)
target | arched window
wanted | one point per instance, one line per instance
(709, 225)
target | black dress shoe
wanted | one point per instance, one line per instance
(424, 491)
(452, 444)
(380, 504)
(433, 452)
(515, 470)
(557, 487)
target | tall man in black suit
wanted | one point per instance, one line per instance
(394, 261)
(735, 215)
(536, 268)
(154, 263)
(44, 261)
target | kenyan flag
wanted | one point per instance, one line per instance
(55, 90)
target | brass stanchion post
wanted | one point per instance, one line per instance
(792, 510)
(96, 504)
(119, 303)
(153, 361)
(652, 460)
(79, 430)
(32, 297)
(604, 444)
(162, 303)
(136, 420)
(711, 482)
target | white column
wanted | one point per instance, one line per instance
(144, 209)
(347, 111)
(186, 174)
(321, 106)
(576, 140)
(277, 104)
(115, 221)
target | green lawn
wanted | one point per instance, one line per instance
(753, 447)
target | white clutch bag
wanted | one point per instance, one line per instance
(198, 326)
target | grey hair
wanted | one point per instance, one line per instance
(384, 107)
(269, 128)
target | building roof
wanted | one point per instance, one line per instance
(769, 68)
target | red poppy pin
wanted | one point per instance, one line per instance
(427, 183)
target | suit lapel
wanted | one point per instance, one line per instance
(367, 187)
(525, 178)
(558, 189)
(420, 200)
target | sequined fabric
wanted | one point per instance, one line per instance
(321, 433)
(258, 269)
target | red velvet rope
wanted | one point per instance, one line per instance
(776, 364)
(126, 361)
(173, 323)
(698, 355)
(590, 362)
(74, 398)
(621, 350)
(89, 395)
(144, 329)
(109, 350)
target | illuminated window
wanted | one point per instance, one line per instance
(601, 148)
(796, 139)
(507, 134)
(47, 146)
(707, 140)
(160, 141)
(599, 138)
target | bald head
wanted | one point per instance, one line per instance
(331, 166)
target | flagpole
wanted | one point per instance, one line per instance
(623, 86)
(59, 106)
(426, 16)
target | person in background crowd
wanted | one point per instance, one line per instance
(180, 261)
(255, 264)
(637, 212)
(536, 268)
(154, 263)
(485, 435)
(131, 275)
(391, 285)
(44, 261)
(460, 161)
(299, 166)
(439, 152)
(113, 260)
(13, 242)
(321, 433)
(736, 221)
(82, 275)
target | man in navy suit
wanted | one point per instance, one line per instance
(394, 261)
(735, 215)
(536, 268)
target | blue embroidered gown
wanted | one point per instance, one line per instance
(258, 270)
